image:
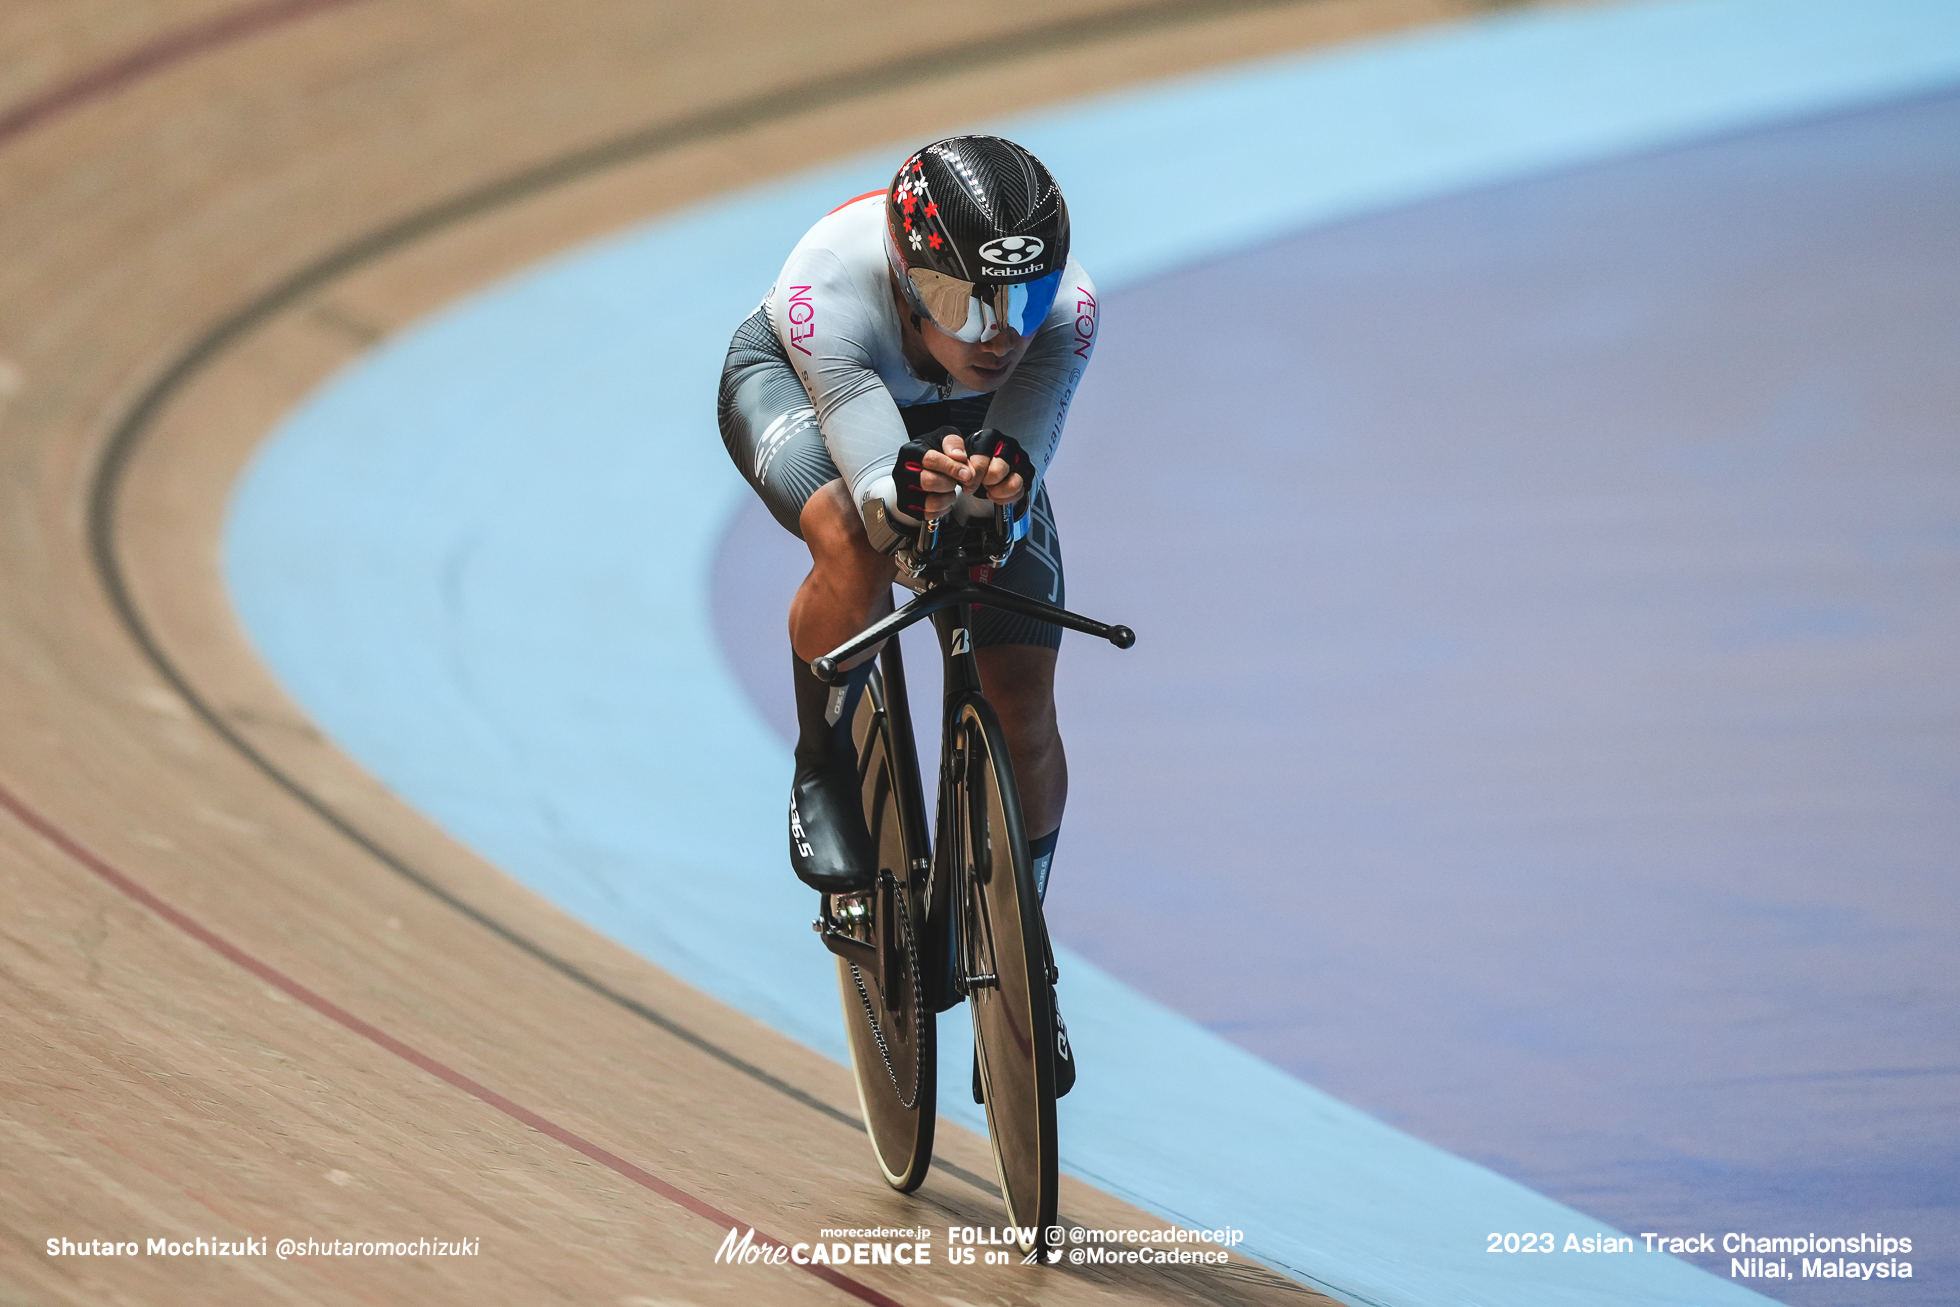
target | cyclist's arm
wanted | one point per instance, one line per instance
(1032, 404)
(830, 334)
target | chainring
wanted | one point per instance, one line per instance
(918, 1005)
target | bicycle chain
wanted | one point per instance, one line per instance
(918, 1005)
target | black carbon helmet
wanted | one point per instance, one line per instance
(982, 212)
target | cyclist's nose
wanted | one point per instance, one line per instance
(1002, 344)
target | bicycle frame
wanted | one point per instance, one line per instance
(946, 555)
(980, 933)
(970, 938)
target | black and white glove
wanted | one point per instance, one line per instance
(897, 503)
(911, 466)
(1018, 463)
(998, 444)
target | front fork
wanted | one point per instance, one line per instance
(972, 940)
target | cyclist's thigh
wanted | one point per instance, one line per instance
(1035, 570)
(768, 425)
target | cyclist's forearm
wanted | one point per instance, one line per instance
(1033, 404)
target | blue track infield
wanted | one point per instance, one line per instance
(482, 558)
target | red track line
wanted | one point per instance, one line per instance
(326, 1007)
(164, 52)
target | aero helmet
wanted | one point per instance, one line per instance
(977, 234)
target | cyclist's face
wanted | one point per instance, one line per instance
(981, 366)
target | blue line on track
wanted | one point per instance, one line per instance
(479, 558)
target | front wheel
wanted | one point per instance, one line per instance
(1004, 965)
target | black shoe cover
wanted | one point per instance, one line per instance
(829, 845)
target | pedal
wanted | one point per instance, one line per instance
(851, 913)
(846, 920)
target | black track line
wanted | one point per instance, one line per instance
(657, 138)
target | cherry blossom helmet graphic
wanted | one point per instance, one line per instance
(977, 234)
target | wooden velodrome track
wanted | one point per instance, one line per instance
(245, 991)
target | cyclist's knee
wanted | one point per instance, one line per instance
(1020, 683)
(839, 548)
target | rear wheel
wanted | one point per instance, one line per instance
(891, 1028)
(1004, 960)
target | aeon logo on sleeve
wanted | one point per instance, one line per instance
(1012, 251)
(1085, 322)
(802, 317)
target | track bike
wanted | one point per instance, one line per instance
(954, 916)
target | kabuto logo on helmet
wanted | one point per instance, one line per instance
(1013, 250)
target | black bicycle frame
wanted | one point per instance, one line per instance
(950, 603)
(962, 970)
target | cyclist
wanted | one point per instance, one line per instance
(905, 323)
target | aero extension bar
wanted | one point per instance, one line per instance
(965, 592)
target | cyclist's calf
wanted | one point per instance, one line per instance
(1020, 684)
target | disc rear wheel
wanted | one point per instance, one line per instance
(891, 1029)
